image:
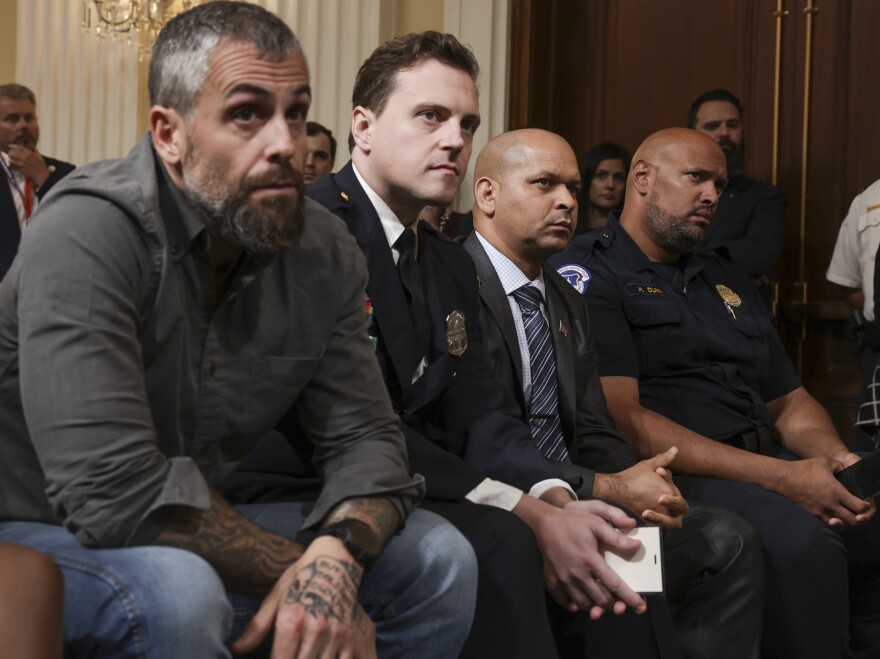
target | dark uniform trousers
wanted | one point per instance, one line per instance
(706, 355)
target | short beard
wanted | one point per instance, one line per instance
(259, 228)
(673, 233)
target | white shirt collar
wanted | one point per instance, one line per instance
(391, 224)
(509, 274)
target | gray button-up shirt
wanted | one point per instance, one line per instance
(127, 387)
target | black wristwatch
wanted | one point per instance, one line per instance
(358, 538)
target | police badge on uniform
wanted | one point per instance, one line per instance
(456, 333)
(576, 275)
(730, 298)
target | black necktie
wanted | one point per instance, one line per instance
(544, 404)
(411, 277)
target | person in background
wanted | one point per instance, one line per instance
(748, 227)
(27, 174)
(603, 172)
(320, 153)
(853, 268)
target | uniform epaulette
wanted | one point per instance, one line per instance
(329, 195)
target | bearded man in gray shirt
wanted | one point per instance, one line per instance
(168, 309)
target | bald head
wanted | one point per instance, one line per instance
(672, 191)
(511, 149)
(669, 145)
(525, 196)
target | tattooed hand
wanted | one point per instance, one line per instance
(314, 609)
(328, 587)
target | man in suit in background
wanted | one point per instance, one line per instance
(28, 175)
(749, 224)
(524, 212)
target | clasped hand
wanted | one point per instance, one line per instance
(647, 489)
(571, 541)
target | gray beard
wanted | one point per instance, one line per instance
(260, 228)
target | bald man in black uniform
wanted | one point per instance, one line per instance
(688, 356)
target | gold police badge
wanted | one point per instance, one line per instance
(728, 295)
(456, 333)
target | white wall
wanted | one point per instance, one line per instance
(86, 89)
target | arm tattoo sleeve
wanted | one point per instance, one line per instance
(248, 558)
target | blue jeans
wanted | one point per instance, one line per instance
(165, 603)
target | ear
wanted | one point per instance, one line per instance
(168, 129)
(486, 195)
(362, 120)
(642, 176)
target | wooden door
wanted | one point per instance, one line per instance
(618, 70)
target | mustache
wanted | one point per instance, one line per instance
(280, 175)
(560, 215)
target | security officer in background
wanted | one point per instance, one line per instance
(852, 268)
(749, 223)
(27, 174)
(688, 357)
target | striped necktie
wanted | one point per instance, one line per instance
(544, 403)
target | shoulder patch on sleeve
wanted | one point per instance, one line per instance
(576, 275)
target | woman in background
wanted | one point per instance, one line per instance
(603, 183)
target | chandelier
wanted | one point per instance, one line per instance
(131, 20)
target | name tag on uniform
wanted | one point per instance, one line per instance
(643, 289)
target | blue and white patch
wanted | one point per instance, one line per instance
(578, 276)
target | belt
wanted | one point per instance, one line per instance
(758, 440)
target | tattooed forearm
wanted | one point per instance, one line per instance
(327, 588)
(376, 512)
(248, 558)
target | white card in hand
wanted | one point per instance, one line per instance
(643, 571)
